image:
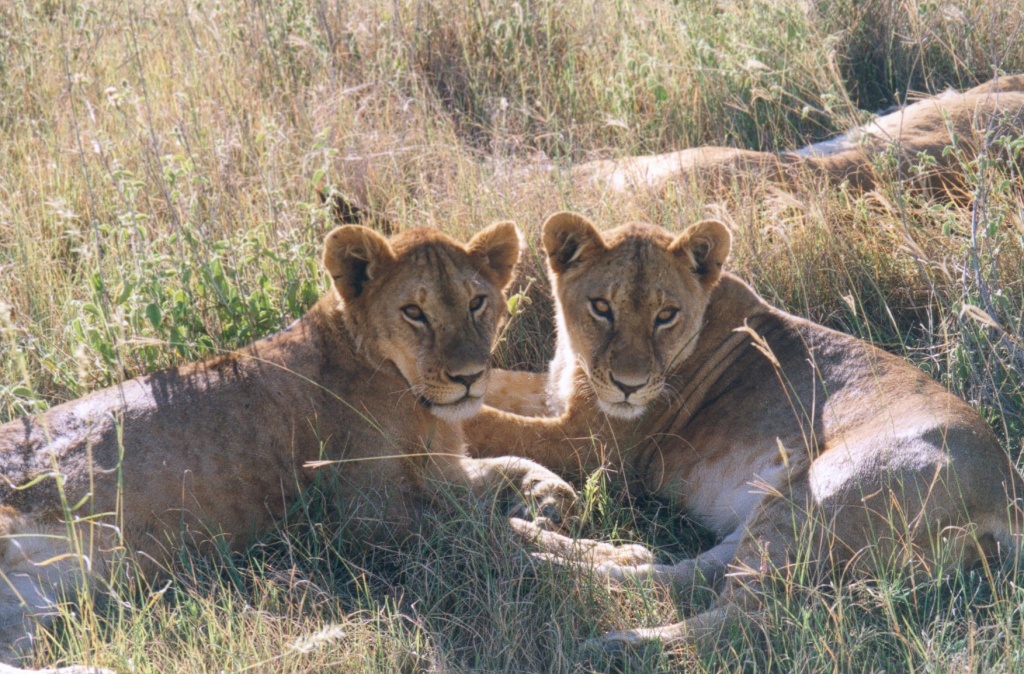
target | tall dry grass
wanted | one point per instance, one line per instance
(158, 167)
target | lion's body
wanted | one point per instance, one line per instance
(918, 136)
(219, 450)
(252, 419)
(783, 437)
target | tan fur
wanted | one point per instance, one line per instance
(523, 393)
(780, 435)
(215, 452)
(930, 127)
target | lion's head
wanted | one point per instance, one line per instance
(428, 304)
(631, 302)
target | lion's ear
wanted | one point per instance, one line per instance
(354, 256)
(705, 245)
(497, 248)
(568, 239)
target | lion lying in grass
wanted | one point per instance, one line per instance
(805, 450)
(926, 142)
(375, 379)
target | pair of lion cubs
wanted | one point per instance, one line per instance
(776, 433)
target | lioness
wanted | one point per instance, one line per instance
(783, 437)
(375, 378)
(919, 137)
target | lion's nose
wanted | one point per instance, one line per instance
(627, 389)
(466, 380)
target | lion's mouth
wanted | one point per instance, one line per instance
(622, 409)
(455, 411)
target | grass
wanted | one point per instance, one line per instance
(158, 167)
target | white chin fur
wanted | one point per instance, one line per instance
(621, 410)
(457, 411)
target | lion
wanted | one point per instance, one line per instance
(795, 444)
(374, 379)
(929, 140)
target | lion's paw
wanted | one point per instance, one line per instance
(626, 650)
(625, 554)
(547, 500)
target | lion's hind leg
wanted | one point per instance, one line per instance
(37, 568)
(757, 556)
(919, 522)
(703, 633)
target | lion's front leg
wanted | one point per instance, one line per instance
(521, 393)
(632, 562)
(561, 549)
(535, 492)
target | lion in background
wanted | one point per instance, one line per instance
(916, 136)
(373, 379)
(803, 449)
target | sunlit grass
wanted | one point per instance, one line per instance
(158, 168)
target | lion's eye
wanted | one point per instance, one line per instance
(601, 308)
(477, 303)
(665, 316)
(414, 313)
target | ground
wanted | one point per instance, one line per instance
(158, 203)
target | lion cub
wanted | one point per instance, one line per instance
(795, 444)
(374, 379)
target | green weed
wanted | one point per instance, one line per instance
(157, 171)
